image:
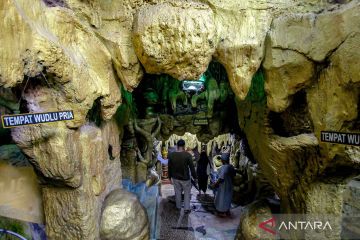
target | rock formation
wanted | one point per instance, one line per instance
(254, 214)
(176, 38)
(123, 217)
(20, 190)
(112, 22)
(304, 69)
(191, 141)
(331, 91)
(76, 179)
(62, 71)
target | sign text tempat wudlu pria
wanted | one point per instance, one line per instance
(341, 138)
(16, 120)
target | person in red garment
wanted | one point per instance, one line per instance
(180, 167)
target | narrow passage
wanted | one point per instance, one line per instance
(201, 223)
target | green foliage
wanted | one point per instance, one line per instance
(127, 109)
(257, 89)
(14, 225)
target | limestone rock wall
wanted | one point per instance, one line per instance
(299, 43)
(44, 47)
(77, 172)
(241, 44)
(306, 53)
(176, 38)
(231, 32)
(57, 62)
(112, 22)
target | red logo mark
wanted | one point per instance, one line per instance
(268, 223)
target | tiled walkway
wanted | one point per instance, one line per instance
(201, 223)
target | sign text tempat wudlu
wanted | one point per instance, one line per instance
(9, 121)
(341, 138)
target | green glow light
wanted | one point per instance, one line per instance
(202, 78)
(257, 89)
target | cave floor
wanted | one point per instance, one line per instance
(201, 223)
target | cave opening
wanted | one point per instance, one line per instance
(13, 101)
(161, 111)
(295, 120)
(162, 106)
(94, 114)
(21, 99)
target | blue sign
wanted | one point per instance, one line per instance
(9, 121)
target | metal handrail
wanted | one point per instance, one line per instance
(4, 231)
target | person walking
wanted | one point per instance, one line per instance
(224, 185)
(180, 166)
(203, 171)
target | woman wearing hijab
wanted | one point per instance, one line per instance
(202, 172)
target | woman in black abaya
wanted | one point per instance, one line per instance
(202, 171)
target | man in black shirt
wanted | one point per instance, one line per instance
(180, 166)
